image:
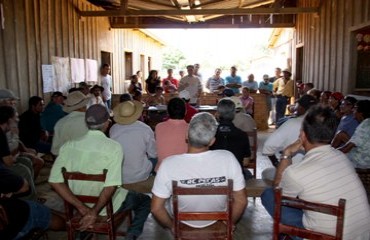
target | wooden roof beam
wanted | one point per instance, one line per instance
(253, 11)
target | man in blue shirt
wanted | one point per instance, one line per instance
(233, 81)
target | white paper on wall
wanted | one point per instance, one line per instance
(47, 78)
(77, 70)
(62, 73)
(91, 70)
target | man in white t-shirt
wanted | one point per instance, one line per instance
(106, 83)
(192, 84)
(199, 167)
(323, 176)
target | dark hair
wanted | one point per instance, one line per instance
(176, 108)
(319, 125)
(226, 109)
(125, 97)
(105, 65)
(363, 106)
(6, 113)
(310, 85)
(350, 99)
(33, 101)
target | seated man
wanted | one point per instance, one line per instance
(170, 135)
(230, 138)
(30, 130)
(199, 167)
(190, 110)
(91, 154)
(73, 125)
(347, 124)
(243, 121)
(323, 176)
(286, 135)
(53, 112)
(137, 141)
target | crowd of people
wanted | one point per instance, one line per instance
(314, 150)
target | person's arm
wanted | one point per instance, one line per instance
(239, 204)
(131, 88)
(347, 147)
(339, 138)
(286, 160)
(160, 213)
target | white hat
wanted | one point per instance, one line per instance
(75, 100)
(127, 112)
(184, 94)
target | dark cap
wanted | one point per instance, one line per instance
(58, 94)
(228, 92)
(351, 100)
(306, 101)
(96, 114)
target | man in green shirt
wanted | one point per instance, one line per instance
(91, 154)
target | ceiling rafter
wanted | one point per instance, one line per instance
(239, 11)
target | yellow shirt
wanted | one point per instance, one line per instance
(282, 88)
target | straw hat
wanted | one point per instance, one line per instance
(74, 101)
(127, 112)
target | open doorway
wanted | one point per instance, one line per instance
(128, 65)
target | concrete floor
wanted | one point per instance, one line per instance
(255, 224)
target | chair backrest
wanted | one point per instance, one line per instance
(364, 175)
(279, 227)
(252, 163)
(188, 216)
(78, 176)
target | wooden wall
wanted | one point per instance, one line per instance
(327, 40)
(36, 30)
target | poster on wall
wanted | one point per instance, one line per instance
(47, 78)
(62, 74)
(91, 70)
(77, 70)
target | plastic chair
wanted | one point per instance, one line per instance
(222, 229)
(279, 227)
(104, 224)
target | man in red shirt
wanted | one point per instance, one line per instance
(190, 110)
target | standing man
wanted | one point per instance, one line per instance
(192, 84)
(215, 81)
(106, 82)
(251, 84)
(196, 71)
(284, 90)
(233, 81)
(273, 98)
(265, 88)
(324, 176)
(196, 168)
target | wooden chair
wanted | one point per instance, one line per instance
(222, 229)
(251, 163)
(279, 227)
(103, 225)
(364, 175)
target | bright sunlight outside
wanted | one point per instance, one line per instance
(219, 48)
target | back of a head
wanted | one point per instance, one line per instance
(6, 113)
(96, 116)
(363, 106)
(226, 109)
(125, 97)
(319, 125)
(176, 108)
(202, 129)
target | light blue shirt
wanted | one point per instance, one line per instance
(251, 85)
(235, 79)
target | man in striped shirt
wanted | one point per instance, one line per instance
(323, 176)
